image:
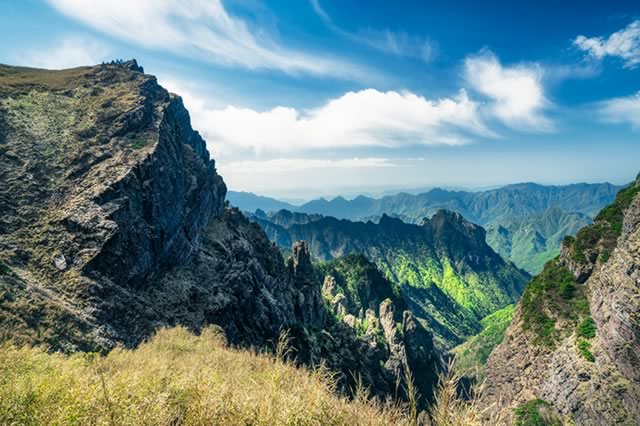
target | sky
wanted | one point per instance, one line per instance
(304, 98)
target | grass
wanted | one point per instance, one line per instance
(535, 413)
(178, 378)
(4, 269)
(450, 409)
(140, 141)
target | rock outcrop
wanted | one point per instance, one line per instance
(373, 308)
(574, 341)
(114, 224)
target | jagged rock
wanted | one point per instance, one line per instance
(60, 262)
(310, 305)
(329, 286)
(134, 202)
(600, 383)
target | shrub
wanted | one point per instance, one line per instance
(553, 293)
(605, 230)
(585, 350)
(587, 328)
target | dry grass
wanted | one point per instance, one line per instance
(449, 409)
(177, 378)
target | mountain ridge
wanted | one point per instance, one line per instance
(450, 277)
(114, 225)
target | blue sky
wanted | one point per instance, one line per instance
(300, 98)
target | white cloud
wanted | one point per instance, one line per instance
(286, 165)
(72, 51)
(198, 28)
(517, 92)
(622, 110)
(624, 44)
(355, 119)
(393, 42)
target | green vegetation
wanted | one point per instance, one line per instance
(587, 328)
(584, 347)
(530, 241)
(601, 236)
(472, 355)
(614, 213)
(550, 296)
(140, 141)
(177, 378)
(535, 413)
(359, 280)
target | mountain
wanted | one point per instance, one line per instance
(250, 202)
(114, 225)
(573, 346)
(481, 207)
(450, 277)
(531, 241)
(525, 222)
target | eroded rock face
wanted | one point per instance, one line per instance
(309, 305)
(119, 189)
(615, 298)
(371, 306)
(599, 382)
(114, 224)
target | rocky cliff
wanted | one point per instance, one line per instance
(114, 224)
(574, 341)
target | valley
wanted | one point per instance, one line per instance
(128, 269)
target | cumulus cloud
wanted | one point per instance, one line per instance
(623, 44)
(398, 43)
(72, 51)
(356, 119)
(201, 29)
(622, 110)
(516, 92)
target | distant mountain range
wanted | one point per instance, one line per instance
(525, 222)
(449, 276)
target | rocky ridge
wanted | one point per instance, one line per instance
(114, 224)
(574, 339)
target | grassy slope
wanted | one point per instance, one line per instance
(176, 378)
(472, 355)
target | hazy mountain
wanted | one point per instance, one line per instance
(250, 202)
(531, 241)
(525, 222)
(481, 207)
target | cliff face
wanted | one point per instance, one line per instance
(105, 185)
(114, 224)
(574, 341)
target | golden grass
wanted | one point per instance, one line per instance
(449, 409)
(177, 378)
